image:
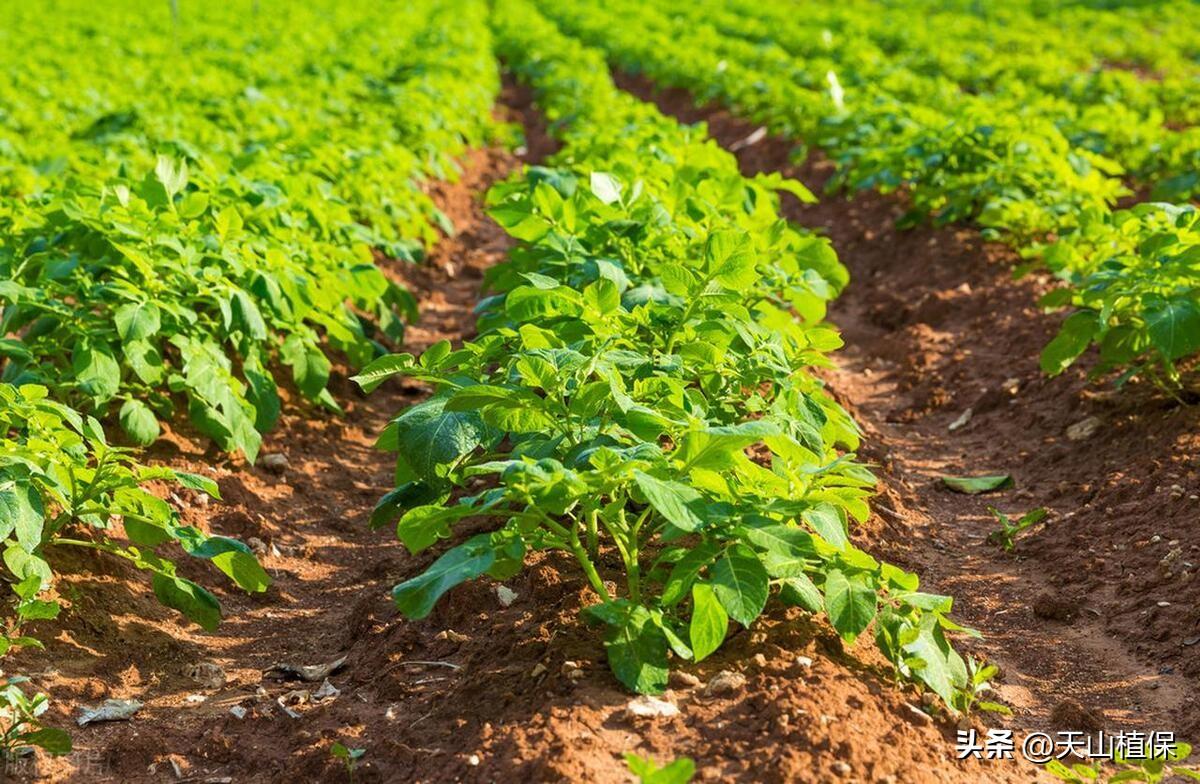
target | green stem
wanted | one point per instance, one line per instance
(589, 568)
(593, 533)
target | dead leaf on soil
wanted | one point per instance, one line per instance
(111, 710)
(310, 673)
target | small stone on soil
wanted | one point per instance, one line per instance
(804, 662)
(725, 682)
(1085, 428)
(647, 707)
(275, 463)
(683, 680)
(506, 595)
(917, 715)
(207, 674)
(962, 420)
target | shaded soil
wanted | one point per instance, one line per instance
(1100, 605)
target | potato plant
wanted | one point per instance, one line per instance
(63, 485)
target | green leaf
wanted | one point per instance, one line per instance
(196, 604)
(198, 482)
(606, 187)
(685, 572)
(637, 652)
(829, 523)
(719, 448)
(1174, 327)
(429, 439)
(799, 591)
(741, 583)
(96, 370)
(21, 510)
(49, 739)
(679, 771)
(193, 205)
(603, 296)
(137, 321)
(788, 550)
(680, 504)
(24, 565)
(974, 485)
(382, 369)
(417, 597)
(1072, 340)
(730, 258)
(942, 669)
(422, 526)
(244, 569)
(850, 604)
(310, 368)
(709, 622)
(174, 177)
(138, 422)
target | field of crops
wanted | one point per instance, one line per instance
(495, 390)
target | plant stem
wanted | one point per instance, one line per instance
(593, 533)
(589, 568)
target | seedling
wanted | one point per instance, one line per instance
(968, 700)
(678, 771)
(348, 756)
(1006, 535)
(20, 722)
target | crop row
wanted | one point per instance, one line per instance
(640, 396)
(170, 234)
(997, 157)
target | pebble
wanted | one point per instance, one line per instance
(725, 682)
(506, 595)
(647, 707)
(918, 715)
(473, 760)
(1085, 428)
(275, 462)
(207, 674)
(804, 662)
(683, 680)
(842, 768)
